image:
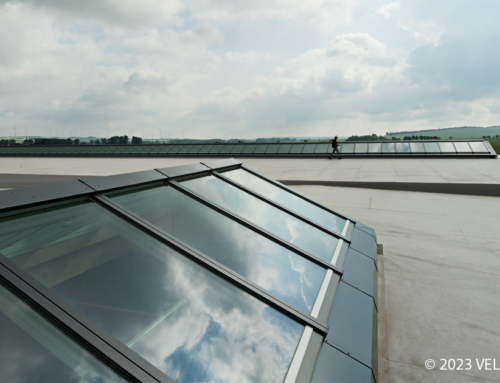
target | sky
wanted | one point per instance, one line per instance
(247, 68)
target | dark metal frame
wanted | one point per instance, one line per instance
(112, 352)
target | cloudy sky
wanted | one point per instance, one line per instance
(247, 68)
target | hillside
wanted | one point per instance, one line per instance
(456, 133)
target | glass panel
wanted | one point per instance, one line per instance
(166, 148)
(285, 148)
(447, 147)
(388, 147)
(235, 246)
(227, 149)
(260, 149)
(176, 148)
(287, 199)
(249, 148)
(478, 147)
(361, 148)
(323, 148)
(296, 149)
(273, 148)
(270, 218)
(374, 148)
(238, 149)
(33, 350)
(206, 149)
(216, 149)
(347, 148)
(185, 320)
(417, 147)
(186, 148)
(462, 147)
(402, 147)
(431, 147)
(195, 149)
(309, 148)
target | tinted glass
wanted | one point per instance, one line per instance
(260, 149)
(285, 148)
(227, 149)
(388, 147)
(235, 246)
(206, 149)
(270, 218)
(374, 148)
(272, 148)
(447, 147)
(238, 149)
(361, 148)
(478, 147)
(287, 199)
(402, 147)
(249, 148)
(309, 148)
(431, 147)
(177, 148)
(186, 148)
(195, 149)
(216, 149)
(182, 318)
(417, 147)
(296, 149)
(323, 148)
(347, 148)
(34, 350)
(462, 147)
(166, 148)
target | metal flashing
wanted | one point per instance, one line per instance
(219, 164)
(15, 198)
(183, 170)
(123, 180)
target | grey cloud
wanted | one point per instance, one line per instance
(128, 14)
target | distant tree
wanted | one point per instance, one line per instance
(104, 141)
(451, 137)
(97, 142)
(484, 137)
(136, 140)
(91, 142)
(497, 136)
(76, 141)
(489, 136)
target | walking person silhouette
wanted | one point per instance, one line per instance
(335, 147)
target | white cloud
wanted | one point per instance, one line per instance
(249, 58)
(389, 10)
(323, 14)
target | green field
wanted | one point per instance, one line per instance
(496, 144)
(456, 133)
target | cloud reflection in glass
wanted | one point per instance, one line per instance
(182, 318)
(270, 218)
